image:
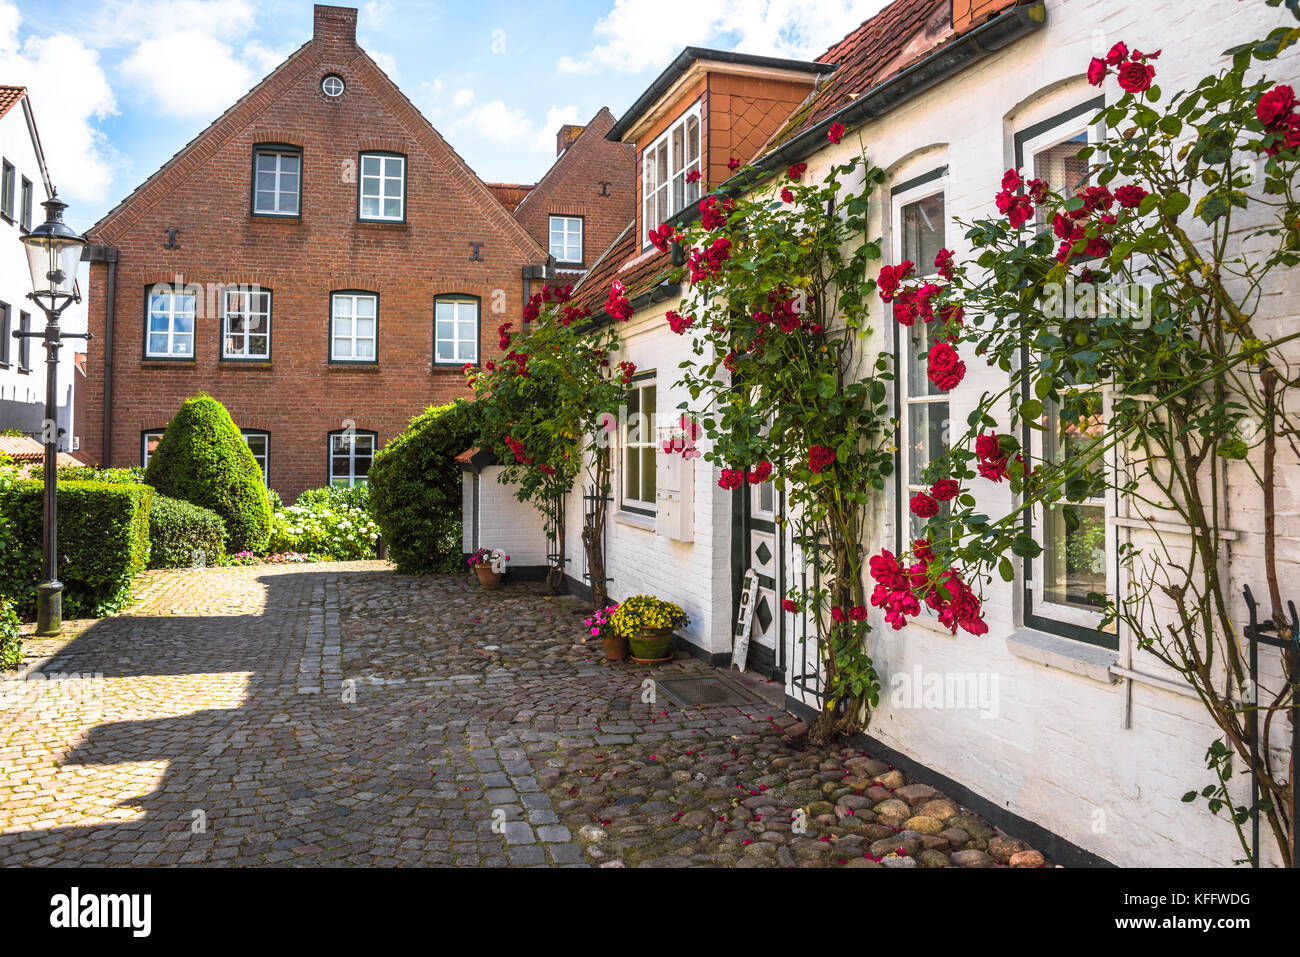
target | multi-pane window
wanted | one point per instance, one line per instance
(7, 190)
(383, 187)
(566, 239)
(924, 418)
(455, 330)
(277, 181)
(351, 453)
(25, 212)
(25, 343)
(246, 323)
(259, 443)
(6, 332)
(169, 332)
(353, 326)
(148, 442)
(639, 448)
(1067, 581)
(666, 165)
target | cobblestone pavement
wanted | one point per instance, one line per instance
(342, 715)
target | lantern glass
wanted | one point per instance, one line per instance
(53, 262)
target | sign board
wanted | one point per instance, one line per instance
(744, 620)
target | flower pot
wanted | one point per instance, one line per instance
(487, 578)
(615, 647)
(652, 645)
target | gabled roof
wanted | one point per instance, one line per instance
(9, 95)
(592, 130)
(235, 119)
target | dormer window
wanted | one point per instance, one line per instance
(666, 165)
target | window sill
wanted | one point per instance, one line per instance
(228, 363)
(158, 362)
(276, 217)
(633, 520)
(389, 223)
(1064, 654)
(338, 365)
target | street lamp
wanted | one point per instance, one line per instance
(53, 252)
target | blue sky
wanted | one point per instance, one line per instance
(119, 85)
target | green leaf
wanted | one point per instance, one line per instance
(1005, 569)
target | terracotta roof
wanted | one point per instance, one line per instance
(510, 194)
(22, 448)
(624, 260)
(880, 47)
(9, 95)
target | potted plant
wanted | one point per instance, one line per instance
(647, 623)
(601, 626)
(489, 564)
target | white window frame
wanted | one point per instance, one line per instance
(350, 439)
(264, 460)
(1042, 609)
(911, 484)
(567, 226)
(277, 191)
(246, 353)
(325, 83)
(647, 437)
(172, 313)
(661, 200)
(144, 444)
(381, 180)
(459, 323)
(350, 337)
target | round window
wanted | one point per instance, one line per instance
(332, 85)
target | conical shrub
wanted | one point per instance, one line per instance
(202, 458)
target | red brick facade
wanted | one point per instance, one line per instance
(593, 179)
(456, 238)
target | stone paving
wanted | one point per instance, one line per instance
(344, 715)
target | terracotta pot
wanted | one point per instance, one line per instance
(615, 647)
(653, 645)
(487, 578)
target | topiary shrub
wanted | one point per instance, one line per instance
(92, 473)
(103, 542)
(178, 530)
(11, 644)
(415, 489)
(202, 458)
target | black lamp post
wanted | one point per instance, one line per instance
(53, 252)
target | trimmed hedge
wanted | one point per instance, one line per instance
(11, 643)
(415, 489)
(103, 542)
(178, 529)
(203, 459)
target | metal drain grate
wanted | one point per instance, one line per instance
(715, 692)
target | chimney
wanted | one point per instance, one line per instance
(564, 139)
(334, 25)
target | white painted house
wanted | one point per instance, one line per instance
(1088, 737)
(24, 185)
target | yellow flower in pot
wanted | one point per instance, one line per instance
(647, 623)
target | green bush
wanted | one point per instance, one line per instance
(103, 542)
(326, 523)
(178, 529)
(91, 473)
(415, 489)
(11, 645)
(202, 458)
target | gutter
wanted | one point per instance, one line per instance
(106, 254)
(939, 66)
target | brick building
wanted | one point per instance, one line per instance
(320, 260)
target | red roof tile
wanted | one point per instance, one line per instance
(23, 449)
(624, 261)
(510, 194)
(9, 95)
(880, 47)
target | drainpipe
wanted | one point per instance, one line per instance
(107, 254)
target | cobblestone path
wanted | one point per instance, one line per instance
(343, 715)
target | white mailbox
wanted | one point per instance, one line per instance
(674, 492)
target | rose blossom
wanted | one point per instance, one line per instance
(1275, 107)
(945, 490)
(836, 133)
(1135, 77)
(924, 506)
(945, 368)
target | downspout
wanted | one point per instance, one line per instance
(108, 255)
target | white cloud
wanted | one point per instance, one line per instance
(376, 12)
(70, 95)
(462, 98)
(125, 23)
(387, 62)
(199, 84)
(639, 35)
(498, 123)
